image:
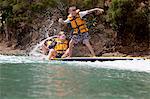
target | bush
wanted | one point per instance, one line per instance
(19, 14)
(126, 16)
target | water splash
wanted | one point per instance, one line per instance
(37, 49)
(131, 65)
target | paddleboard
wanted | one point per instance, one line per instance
(97, 58)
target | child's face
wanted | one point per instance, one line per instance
(72, 11)
(63, 37)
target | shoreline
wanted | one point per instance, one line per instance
(4, 50)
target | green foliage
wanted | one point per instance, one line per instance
(36, 7)
(126, 16)
(87, 3)
(119, 11)
(18, 14)
(84, 4)
(18, 10)
(92, 3)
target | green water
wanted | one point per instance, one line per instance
(70, 81)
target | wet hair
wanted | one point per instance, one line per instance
(71, 6)
(61, 32)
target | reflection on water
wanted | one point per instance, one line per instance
(66, 81)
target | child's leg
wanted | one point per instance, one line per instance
(52, 54)
(65, 54)
(87, 43)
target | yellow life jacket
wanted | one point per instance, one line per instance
(49, 43)
(61, 46)
(78, 24)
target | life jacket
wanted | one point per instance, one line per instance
(61, 46)
(78, 24)
(51, 43)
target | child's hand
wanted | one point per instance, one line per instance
(60, 20)
(99, 11)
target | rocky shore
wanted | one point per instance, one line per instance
(4, 50)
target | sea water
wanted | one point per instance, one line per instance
(24, 77)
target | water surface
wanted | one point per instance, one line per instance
(21, 77)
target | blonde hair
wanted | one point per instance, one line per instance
(61, 32)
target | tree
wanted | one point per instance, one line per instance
(128, 20)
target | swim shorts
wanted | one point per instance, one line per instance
(80, 37)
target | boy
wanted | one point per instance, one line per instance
(79, 25)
